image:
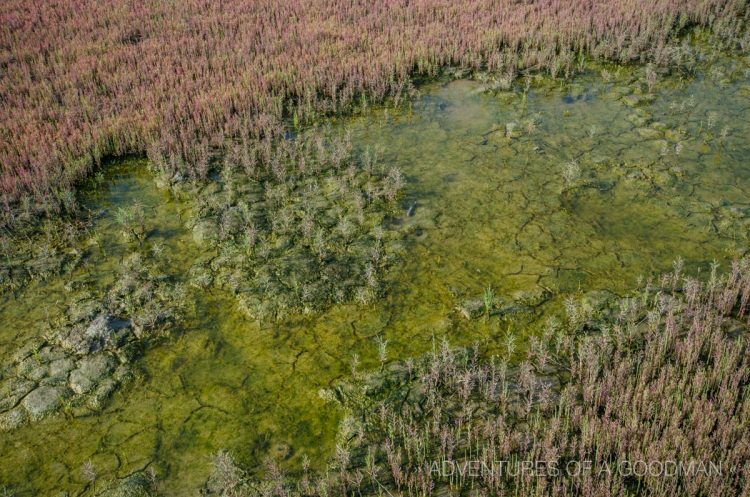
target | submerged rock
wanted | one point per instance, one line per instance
(599, 299)
(13, 391)
(533, 298)
(44, 400)
(674, 135)
(637, 120)
(13, 419)
(520, 301)
(61, 367)
(90, 371)
(92, 337)
(76, 361)
(103, 391)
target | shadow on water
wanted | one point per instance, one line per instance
(543, 196)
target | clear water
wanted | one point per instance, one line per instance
(594, 195)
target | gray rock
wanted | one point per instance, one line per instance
(99, 333)
(43, 401)
(102, 393)
(12, 419)
(38, 373)
(91, 370)
(123, 373)
(84, 309)
(27, 366)
(13, 390)
(54, 381)
(49, 353)
(61, 367)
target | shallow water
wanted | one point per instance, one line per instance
(492, 201)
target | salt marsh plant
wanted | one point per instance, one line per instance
(489, 300)
(651, 78)
(510, 129)
(81, 83)
(90, 474)
(531, 125)
(226, 476)
(306, 230)
(132, 221)
(571, 172)
(661, 376)
(382, 344)
(724, 133)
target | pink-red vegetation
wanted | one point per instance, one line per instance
(81, 80)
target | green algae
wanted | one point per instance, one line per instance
(562, 190)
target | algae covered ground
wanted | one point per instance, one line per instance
(162, 329)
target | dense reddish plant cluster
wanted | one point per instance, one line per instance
(81, 80)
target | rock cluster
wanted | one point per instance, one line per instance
(86, 355)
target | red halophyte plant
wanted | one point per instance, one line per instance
(83, 80)
(650, 399)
